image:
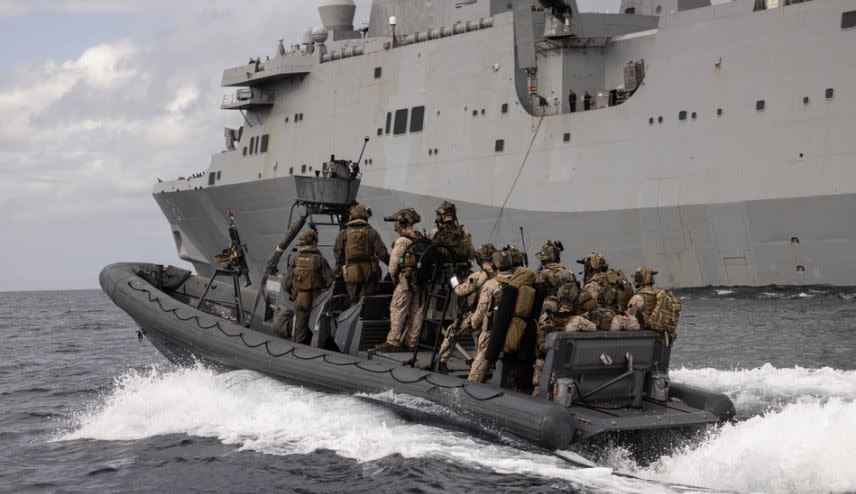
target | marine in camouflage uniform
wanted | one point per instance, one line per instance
(506, 262)
(629, 320)
(552, 275)
(307, 277)
(643, 279)
(469, 289)
(406, 307)
(450, 232)
(359, 250)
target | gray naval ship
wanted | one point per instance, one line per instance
(712, 142)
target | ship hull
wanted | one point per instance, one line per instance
(793, 241)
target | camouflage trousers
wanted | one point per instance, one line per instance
(283, 320)
(480, 367)
(536, 377)
(451, 339)
(405, 316)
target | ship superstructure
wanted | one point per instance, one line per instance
(712, 142)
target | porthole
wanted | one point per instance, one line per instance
(660, 119)
(475, 113)
(760, 105)
(800, 269)
(719, 112)
(795, 240)
(567, 137)
(436, 152)
(302, 168)
(830, 93)
(694, 115)
(651, 121)
(430, 152)
(806, 100)
(286, 119)
(482, 111)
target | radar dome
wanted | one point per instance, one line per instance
(308, 39)
(337, 15)
(319, 35)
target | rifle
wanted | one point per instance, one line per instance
(235, 255)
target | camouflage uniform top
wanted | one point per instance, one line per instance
(489, 290)
(321, 266)
(377, 245)
(473, 252)
(553, 275)
(471, 288)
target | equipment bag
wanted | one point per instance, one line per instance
(305, 274)
(303, 301)
(500, 322)
(514, 335)
(357, 244)
(525, 302)
(354, 273)
(666, 312)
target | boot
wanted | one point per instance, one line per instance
(387, 347)
(442, 368)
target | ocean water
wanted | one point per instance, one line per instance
(84, 407)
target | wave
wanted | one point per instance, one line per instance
(806, 447)
(258, 413)
(800, 437)
(757, 390)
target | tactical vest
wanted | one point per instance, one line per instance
(615, 292)
(358, 245)
(306, 277)
(459, 243)
(554, 275)
(414, 251)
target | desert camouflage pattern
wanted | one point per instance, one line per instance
(406, 307)
(480, 319)
(470, 289)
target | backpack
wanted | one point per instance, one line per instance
(522, 279)
(459, 243)
(358, 245)
(414, 258)
(305, 274)
(666, 313)
(615, 290)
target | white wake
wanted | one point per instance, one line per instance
(801, 436)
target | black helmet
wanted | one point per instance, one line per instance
(503, 260)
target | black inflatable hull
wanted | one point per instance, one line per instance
(183, 333)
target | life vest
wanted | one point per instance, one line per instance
(358, 245)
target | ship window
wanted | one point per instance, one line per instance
(258, 140)
(848, 19)
(651, 121)
(567, 137)
(682, 115)
(475, 113)
(631, 10)
(660, 119)
(719, 112)
(760, 105)
(252, 145)
(291, 170)
(417, 119)
(694, 115)
(388, 122)
(265, 142)
(378, 72)
(659, 9)
(211, 177)
(286, 119)
(505, 108)
(499, 146)
(380, 132)
(245, 150)
(806, 100)
(296, 117)
(436, 151)
(302, 168)
(219, 175)
(399, 127)
(830, 93)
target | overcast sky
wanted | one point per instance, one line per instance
(99, 98)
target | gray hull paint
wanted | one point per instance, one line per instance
(795, 241)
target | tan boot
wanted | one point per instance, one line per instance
(387, 347)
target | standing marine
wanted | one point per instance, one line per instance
(553, 275)
(508, 264)
(408, 299)
(308, 276)
(469, 290)
(359, 250)
(450, 232)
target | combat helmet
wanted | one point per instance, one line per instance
(567, 297)
(447, 208)
(359, 211)
(644, 276)
(551, 252)
(517, 258)
(503, 260)
(407, 216)
(307, 237)
(486, 252)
